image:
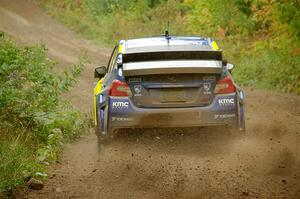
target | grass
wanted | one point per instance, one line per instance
(17, 163)
(35, 122)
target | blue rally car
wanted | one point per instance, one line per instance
(166, 81)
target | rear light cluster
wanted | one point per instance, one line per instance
(225, 85)
(119, 88)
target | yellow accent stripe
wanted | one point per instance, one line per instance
(214, 45)
(121, 47)
(97, 90)
(98, 87)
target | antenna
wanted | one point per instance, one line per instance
(167, 35)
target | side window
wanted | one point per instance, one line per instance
(112, 59)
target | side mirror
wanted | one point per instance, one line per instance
(229, 67)
(100, 72)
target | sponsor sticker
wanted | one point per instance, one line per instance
(209, 78)
(121, 119)
(119, 59)
(135, 79)
(120, 105)
(226, 102)
(224, 116)
(207, 87)
(137, 90)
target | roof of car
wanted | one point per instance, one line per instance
(164, 44)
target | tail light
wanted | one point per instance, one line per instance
(119, 88)
(225, 85)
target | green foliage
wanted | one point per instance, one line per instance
(276, 67)
(70, 77)
(27, 84)
(108, 21)
(16, 163)
(217, 19)
(289, 12)
(34, 121)
(260, 36)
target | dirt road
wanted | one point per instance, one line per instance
(165, 163)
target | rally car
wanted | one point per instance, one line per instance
(166, 81)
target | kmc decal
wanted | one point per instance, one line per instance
(226, 102)
(120, 105)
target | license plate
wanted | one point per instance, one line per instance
(172, 95)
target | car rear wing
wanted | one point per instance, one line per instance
(171, 55)
(172, 67)
(172, 62)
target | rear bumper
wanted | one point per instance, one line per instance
(224, 110)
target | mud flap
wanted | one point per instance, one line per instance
(101, 113)
(101, 121)
(241, 117)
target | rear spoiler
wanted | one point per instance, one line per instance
(172, 67)
(172, 62)
(171, 55)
